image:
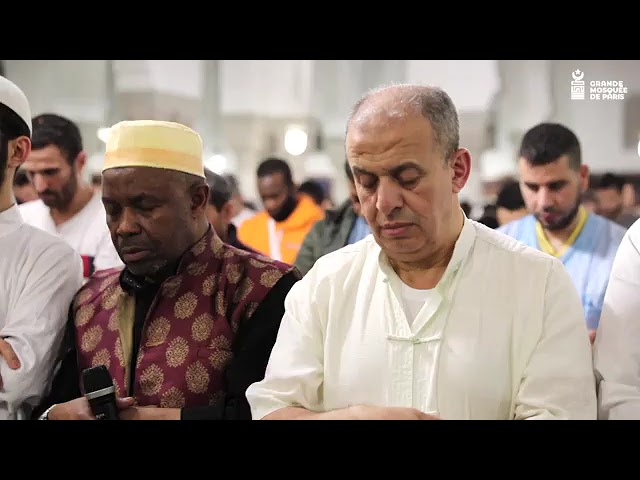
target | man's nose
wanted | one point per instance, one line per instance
(389, 196)
(39, 183)
(128, 224)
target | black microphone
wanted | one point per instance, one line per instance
(98, 389)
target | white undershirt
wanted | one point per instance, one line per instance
(413, 300)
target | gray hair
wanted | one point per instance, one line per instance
(431, 102)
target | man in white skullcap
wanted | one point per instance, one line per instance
(39, 275)
(190, 321)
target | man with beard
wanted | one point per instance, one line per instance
(553, 179)
(39, 274)
(279, 230)
(68, 206)
(189, 323)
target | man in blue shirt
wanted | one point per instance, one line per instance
(552, 180)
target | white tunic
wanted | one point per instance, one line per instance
(502, 336)
(39, 275)
(86, 232)
(617, 345)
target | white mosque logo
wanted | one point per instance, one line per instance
(577, 85)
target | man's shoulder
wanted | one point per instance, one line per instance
(103, 278)
(253, 264)
(255, 220)
(33, 208)
(514, 227)
(40, 241)
(500, 242)
(347, 261)
(604, 226)
(633, 233)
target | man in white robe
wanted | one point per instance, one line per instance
(434, 316)
(617, 346)
(39, 275)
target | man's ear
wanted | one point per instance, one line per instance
(199, 197)
(80, 162)
(460, 169)
(18, 151)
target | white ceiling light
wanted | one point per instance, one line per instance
(220, 161)
(295, 141)
(217, 163)
(104, 133)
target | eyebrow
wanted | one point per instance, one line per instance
(554, 182)
(394, 172)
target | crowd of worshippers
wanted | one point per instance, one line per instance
(394, 304)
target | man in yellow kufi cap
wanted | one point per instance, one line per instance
(189, 322)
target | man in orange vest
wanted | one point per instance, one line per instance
(278, 231)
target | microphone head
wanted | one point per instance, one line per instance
(95, 379)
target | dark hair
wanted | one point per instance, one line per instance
(611, 180)
(314, 189)
(11, 127)
(96, 179)
(233, 183)
(466, 207)
(50, 129)
(347, 170)
(546, 142)
(510, 197)
(20, 179)
(219, 189)
(274, 165)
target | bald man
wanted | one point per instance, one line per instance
(189, 323)
(434, 315)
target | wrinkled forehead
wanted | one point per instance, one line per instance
(381, 134)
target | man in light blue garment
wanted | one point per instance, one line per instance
(552, 180)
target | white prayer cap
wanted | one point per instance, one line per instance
(16, 100)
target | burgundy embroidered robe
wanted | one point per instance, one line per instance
(189, 330)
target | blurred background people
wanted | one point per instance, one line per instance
(509, 204)
(610, 193)
(317, 192)
(590, 200)
(220, 210)
(342, 226)
(489, 216)
(241, 209)
(23, 188)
